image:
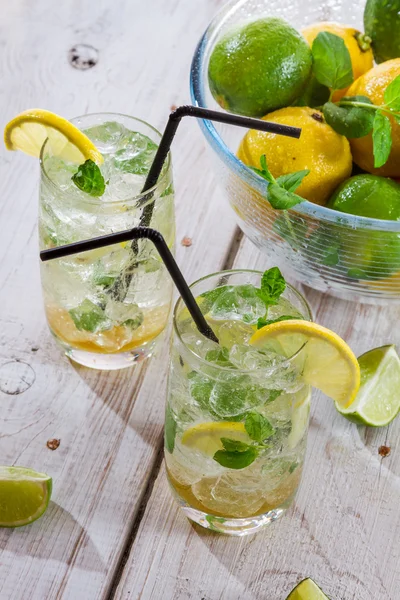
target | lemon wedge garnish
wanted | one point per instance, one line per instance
(206, 437)
(29, 130)
(328, 363)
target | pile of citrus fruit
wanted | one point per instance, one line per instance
(341, 86)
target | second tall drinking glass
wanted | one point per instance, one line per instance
(107, 307)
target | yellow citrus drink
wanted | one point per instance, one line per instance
(237, 414)
(107, 307)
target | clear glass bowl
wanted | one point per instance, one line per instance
(356, 258)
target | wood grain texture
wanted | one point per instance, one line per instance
(109, 423)
(343, 529)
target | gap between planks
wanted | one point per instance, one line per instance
(227, 264)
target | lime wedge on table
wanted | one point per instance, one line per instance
(378, 400)
(29, 130)
(24, 495)
(307, 590)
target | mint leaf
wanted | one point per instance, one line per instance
(89, 179)
(262, 322)
(134, 323)
(169, 430)
(331, 255)
(332, 62)
(219, 356)
(264, 172)
(291, 181)
(382, 139)
(392, 94)
(89, 317)
(236, 460)
(350, 121)
(281, 199)
(234, 445)
(273, 285)
(258, 427)
(200, 389)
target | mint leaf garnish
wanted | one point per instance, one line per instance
(392, 94)
(89, 317)
(169, 430)
(236, 460)
(281, 199)
(382, 139)
(349, 119)
(134, 323)
(258, 427)
(332, 61)
(273, 285)
(262, 322)
(291, 181)
(219, 356)
(280, 191)
(234, 445)
(89, 179)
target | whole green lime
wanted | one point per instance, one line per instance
(260, 67)
(366, 253)
(382, 25)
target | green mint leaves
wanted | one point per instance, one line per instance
(392, 95)
(237, 454)
(382, 139)
(332, 61)
(236, 459)
(89, 317)
(262, 322)
(273, 285)
(258, 427)
(169, 430)
(89, 179)
(356, 116)
(280, 191)
(350, 117)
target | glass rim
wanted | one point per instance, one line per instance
(97, 201)
(201, 360)
(305, 208)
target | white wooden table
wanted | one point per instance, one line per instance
(112, 529)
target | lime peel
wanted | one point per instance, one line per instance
(378, 400)
(24, 495)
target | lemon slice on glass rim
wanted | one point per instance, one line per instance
(29, 130)
(328, 363)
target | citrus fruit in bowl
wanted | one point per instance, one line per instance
(285, 205)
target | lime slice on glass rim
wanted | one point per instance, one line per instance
(307, 590)
(24, 495)
(378, 400)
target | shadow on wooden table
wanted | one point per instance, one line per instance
(57, 535)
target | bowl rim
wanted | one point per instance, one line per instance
(306, 208)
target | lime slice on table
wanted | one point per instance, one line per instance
(328, 363)
(29, 130)
(378, 400)
(24, 495)
(307, 590)
(206, 437)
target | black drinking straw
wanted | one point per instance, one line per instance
(135, 234)
(120, 287)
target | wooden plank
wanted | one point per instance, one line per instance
(109, 423)
(343, 529)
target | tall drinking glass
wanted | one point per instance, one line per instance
(236, 416)
(107, 307)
